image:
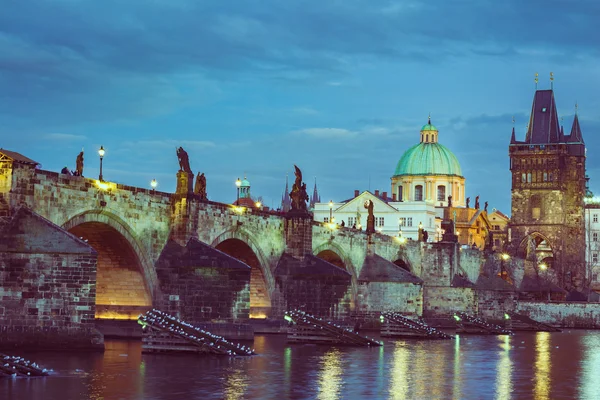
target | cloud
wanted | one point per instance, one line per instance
(326, 132)
(63, 136)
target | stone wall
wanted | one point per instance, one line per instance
(47, 286)
(444, 301)
(493, 304)
(376, 297)
(568, 315)
(199, 283)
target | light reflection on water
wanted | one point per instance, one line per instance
(527, 365)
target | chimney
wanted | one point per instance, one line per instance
(384, 195)
(393, 196)
(376, 193)
(356, 193)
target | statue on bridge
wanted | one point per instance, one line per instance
(485, 206)
(450, 201)
(79, 165)
(200, 188)
(477, 202)
(371, 217)
(468, 201)
(298, 194)
(184, 161)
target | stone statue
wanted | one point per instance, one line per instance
(477, 202)
(184, 161)
(450, 201)
(468, 201)
(485, 205)
(79, 163)
(298, 194)
(371, 217)
(200, 188)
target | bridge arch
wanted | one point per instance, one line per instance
(404, 264)
(537, 247)
(329, 250)
(122, 259)
(241, 245)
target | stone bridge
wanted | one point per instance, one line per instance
(130, 228)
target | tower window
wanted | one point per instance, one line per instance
(400, 197)
(594, 257)
(545, 177)
(536, 206)
(441, 193)
(529, 177)
(544, 109)
(595, 236)
(523, 177)
(418, 193)
(595, 218)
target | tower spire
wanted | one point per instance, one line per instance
(315, 198)
(286, 202)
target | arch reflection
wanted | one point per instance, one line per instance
(330, 375)
(543, 365)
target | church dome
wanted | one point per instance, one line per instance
(428, 159)
(245, 183)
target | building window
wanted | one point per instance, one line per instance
(400, 198)
(418, 193)
(402, 221)
(529, 177)
(550, 177)
(351, 221)
(326, 219)
(523, 177)
(536, 206)
(595, 218)
(497, 242)
(409, 221)
(379, 221)
(545, 177)
(496, 227)
(595, 236)
(441, 193)
(594, 257)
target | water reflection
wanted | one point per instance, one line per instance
(457, 387)
(330, 375)
(590, 376)
(399, 379)
(504, 370)
(235, 385)
(543, 365)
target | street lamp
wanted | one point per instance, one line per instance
(504, 257)
(330, 210)
(101, 153)
(543, 267)
(258, 204)
(153, 183)
(238, 183)
(420, 231)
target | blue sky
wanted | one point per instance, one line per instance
(340, 88)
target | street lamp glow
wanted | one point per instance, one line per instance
(153, 183)
(543, 267)
(420, 225)
(101, 154)
(505, 256)
(238, 183)
(258, 204)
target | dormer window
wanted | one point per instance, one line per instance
(544, 109)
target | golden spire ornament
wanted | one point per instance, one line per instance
(536, 80)
(551, 80)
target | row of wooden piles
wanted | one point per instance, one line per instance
(306, 328)
(18, 366)
(165, 333)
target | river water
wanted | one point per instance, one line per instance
(541, 365)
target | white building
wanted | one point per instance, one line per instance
(425, 176)
(592, 239)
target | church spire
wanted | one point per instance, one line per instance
(286, 202)
(576, 136)
(315, 198)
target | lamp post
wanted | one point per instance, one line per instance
(330, 210)
(238, 183)
(153, 183)
(101, 154)
(420, 231)
(399, 227)
(503, 258)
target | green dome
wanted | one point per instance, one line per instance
(428, 127)
(428, 159)
(245, 183)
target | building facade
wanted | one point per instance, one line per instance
(548, 187)
(592, 242)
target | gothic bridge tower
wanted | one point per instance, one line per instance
(548, 186)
